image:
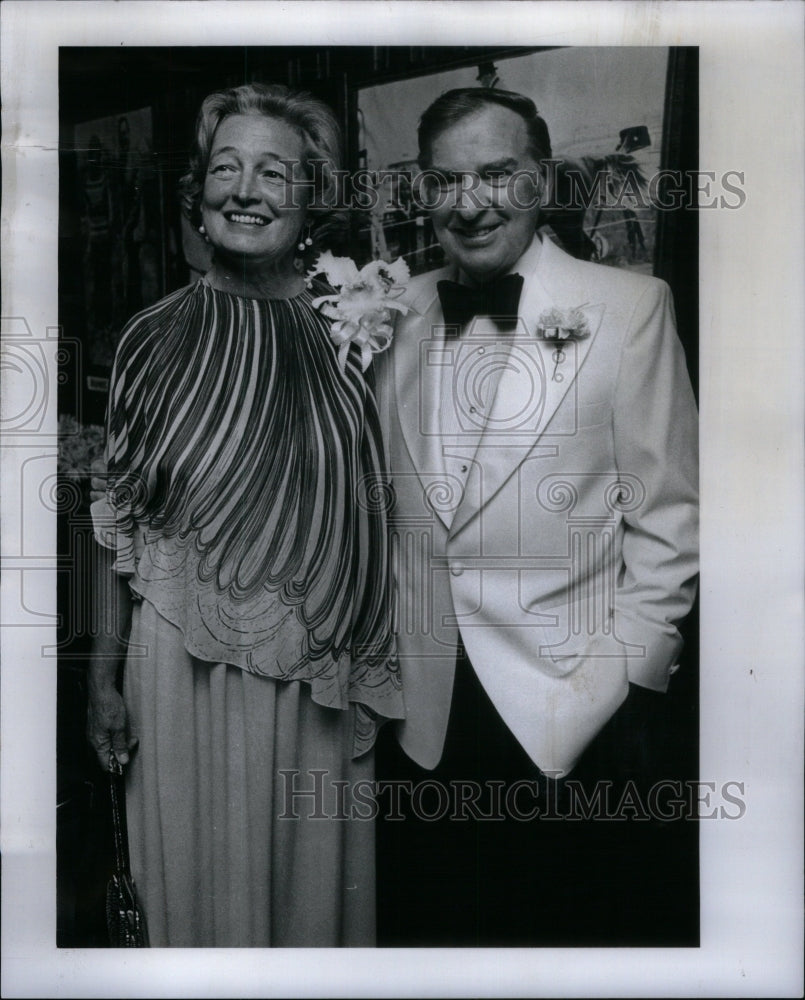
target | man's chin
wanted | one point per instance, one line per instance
(482, 267)
(481, 263)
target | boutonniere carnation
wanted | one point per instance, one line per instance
(361, 310)
(561, 326)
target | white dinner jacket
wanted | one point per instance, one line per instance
(557, 525)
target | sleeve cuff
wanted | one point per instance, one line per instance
(103, 524)
(659, 659)
(104, 528)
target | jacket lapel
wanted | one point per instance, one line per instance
(417, 380)
(531, 385)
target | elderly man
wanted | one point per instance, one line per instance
(543, 439)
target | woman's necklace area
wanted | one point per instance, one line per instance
(255, 286)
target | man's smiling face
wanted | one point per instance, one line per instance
(486, 222)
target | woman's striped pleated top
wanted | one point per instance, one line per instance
(249, 490)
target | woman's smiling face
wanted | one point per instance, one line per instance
(250, 206)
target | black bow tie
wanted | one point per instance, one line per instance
(499, 299)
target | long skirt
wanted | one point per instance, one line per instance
(238, 832)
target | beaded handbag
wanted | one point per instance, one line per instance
(125, 918)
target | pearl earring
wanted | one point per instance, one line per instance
(304, 244)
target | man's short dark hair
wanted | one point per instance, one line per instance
(454, 105)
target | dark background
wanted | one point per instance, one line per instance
(103, 82)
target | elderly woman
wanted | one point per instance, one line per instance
(241, 557)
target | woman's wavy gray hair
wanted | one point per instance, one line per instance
(314, 121)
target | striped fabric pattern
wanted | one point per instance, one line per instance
(235, 445)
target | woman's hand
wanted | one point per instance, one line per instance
(107, 725)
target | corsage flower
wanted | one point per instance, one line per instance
(562, 325)
(361, 310)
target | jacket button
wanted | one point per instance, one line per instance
(456, 569)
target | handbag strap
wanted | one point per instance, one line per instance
(119, 829)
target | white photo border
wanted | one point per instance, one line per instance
(751, 376)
